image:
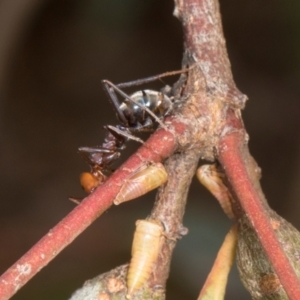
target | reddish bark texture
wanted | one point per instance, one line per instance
(205, 124)
(236, 161)
(205, 42)
(160, 145)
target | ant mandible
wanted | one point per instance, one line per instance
(136, 113)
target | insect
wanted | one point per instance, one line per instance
(147, 178)
(213, 179)
(100, 158)
(147, 242)
(136, 113)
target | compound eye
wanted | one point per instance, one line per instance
(88, 181)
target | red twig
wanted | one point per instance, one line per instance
(212, 108)
(204, 38)
(160, 145)
(234, 156)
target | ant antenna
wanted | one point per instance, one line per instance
(152, 78)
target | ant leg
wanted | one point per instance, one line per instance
(109, 88)
(94, 150)
(166, 104)
(124, 133)
(98, 156)
(75, 200)
(146, 127)
(152, 78)
(153, 115)
(113, 140)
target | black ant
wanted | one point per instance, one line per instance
(136, 113)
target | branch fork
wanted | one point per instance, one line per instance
(207, 125)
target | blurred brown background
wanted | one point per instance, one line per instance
(53, 55)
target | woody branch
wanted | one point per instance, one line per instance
(204, 39)
(207, 120)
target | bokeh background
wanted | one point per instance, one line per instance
(53, 55)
